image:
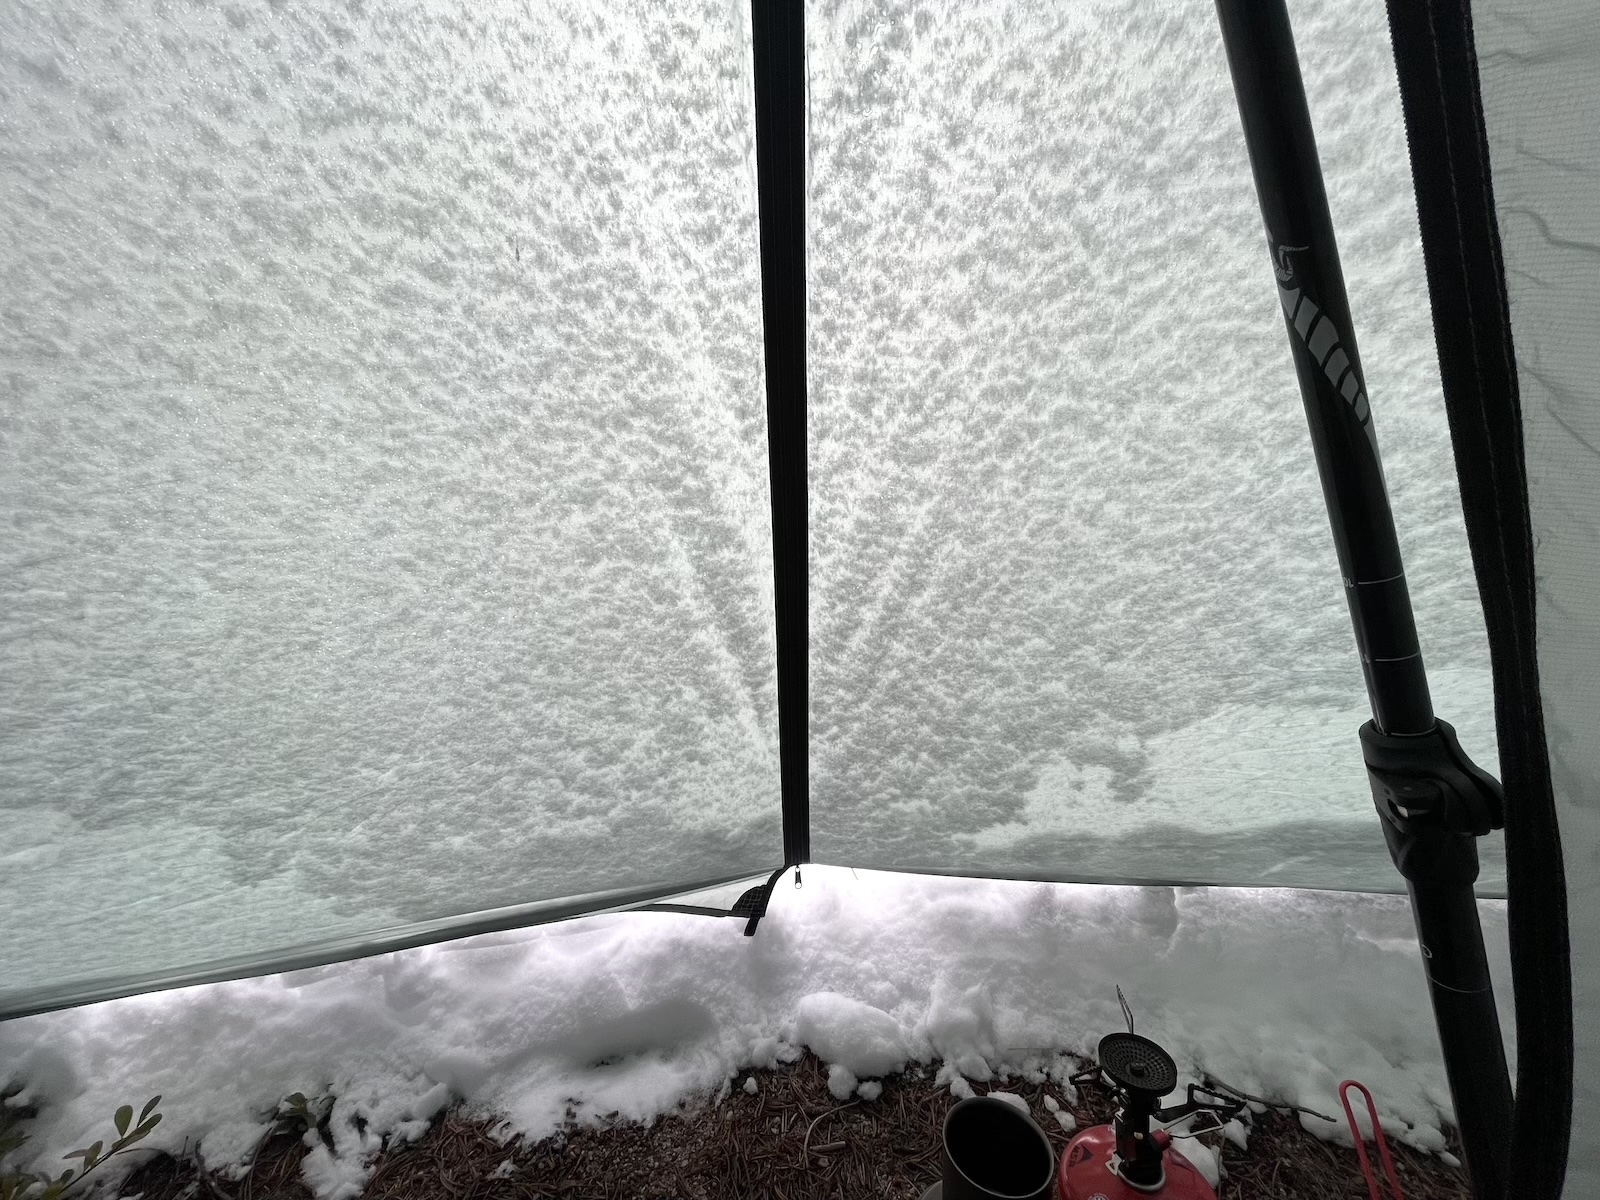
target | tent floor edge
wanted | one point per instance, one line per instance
(26, 1002)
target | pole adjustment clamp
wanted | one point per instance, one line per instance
(1433, 801)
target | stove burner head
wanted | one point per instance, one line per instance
(1137, 1065)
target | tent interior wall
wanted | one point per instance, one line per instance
(390, 466)
(1539, 73)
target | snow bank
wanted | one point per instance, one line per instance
(863, 1039)
(1281, 993)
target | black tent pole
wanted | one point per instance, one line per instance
(778, 41)
(1432, 801)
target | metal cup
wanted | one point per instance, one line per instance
(994, 1151)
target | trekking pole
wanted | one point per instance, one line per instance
(1432, 800)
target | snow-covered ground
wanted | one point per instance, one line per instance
(383, 478)
(1278, 992)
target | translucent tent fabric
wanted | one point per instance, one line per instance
(384, 520)
(1539, 71)
(383, 464)
(1076, 610)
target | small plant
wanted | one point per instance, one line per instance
(31, 1185)
(309, 1113)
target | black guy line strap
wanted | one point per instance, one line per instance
(750, 907)
(1437, 65)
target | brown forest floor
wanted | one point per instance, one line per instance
(792, 1141)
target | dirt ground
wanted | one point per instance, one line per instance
(792, 1141)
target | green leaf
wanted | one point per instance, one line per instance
(10, 1140)
(141, 1132)
(150, 1106)
(86, 1153)
(297, 1100)
(124, 1118)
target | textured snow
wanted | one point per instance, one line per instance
(384, 520)
(1280, 992)
(1076, 605)
(842, 1081)
(843, 1031)
(1204, 1158)
(384, 526)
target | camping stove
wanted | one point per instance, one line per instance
(1127, 1160)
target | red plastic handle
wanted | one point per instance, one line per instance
(1373, 1191)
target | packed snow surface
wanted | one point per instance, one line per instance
(1278, 992)
(384, 516)
(863, 1039)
